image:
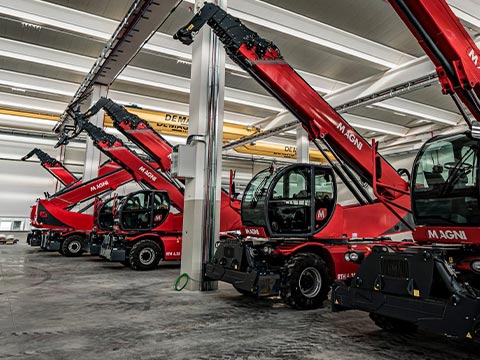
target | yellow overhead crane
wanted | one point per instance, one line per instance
(177, 125)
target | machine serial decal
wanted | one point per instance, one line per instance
(350, 136)
(345, 276)
(147, 173)
(170, 253)
(99, 186)
(447, 234)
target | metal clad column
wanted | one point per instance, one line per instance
(92, 154)
(201, 222)
(302, 145)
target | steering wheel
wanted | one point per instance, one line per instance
(453, 165)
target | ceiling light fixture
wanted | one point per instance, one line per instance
(184, 62)
(31, 26)
(18, 90)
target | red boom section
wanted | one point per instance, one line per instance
(151, 142)
(144, 136)
(140, 170)
(60, 173)
(53, 212)
(53, 166)
(318, 118)
(90, 189)
(448, 45)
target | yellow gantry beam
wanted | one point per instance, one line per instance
(29, 114)
(177, 125)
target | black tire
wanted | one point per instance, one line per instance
(393, 325)
(306, 282)
(72, 246)
(145, 255)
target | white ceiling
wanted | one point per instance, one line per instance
(346, 49)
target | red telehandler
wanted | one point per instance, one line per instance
(296, 234)
(145, 230)
(66, 230)
(431, 284)
(53, 166)
(435, 285)
(59, 172)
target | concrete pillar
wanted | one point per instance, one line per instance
(92, 154)
(201, 223)
(302, 145)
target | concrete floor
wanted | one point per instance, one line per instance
(52, 307)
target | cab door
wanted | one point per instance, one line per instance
(290, 202)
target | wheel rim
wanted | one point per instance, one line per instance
(74, 247)
(310, 282)
(147, 256)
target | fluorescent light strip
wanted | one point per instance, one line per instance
(415, 113)
(22, 86)
(183, 87)
(372, 128)
(27, 120)
(31, 107)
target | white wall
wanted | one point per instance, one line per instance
(22, 182)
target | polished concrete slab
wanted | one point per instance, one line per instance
(52, 307)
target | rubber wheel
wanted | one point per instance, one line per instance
(145, 255)
(393, 325)
(306, 282)
(72, 246)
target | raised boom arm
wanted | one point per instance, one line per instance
(53, 166)
(115, 149)
(262, 60)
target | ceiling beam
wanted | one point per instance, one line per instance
(52, 86)
(32, 103)
(37, 83)
(138, 25)
(101, 28)
(466, 10)
(302, 27)
(78, 63)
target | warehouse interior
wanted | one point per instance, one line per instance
(214, 135)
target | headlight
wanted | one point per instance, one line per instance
(354, 256)
(267, 249)
(475, 265)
